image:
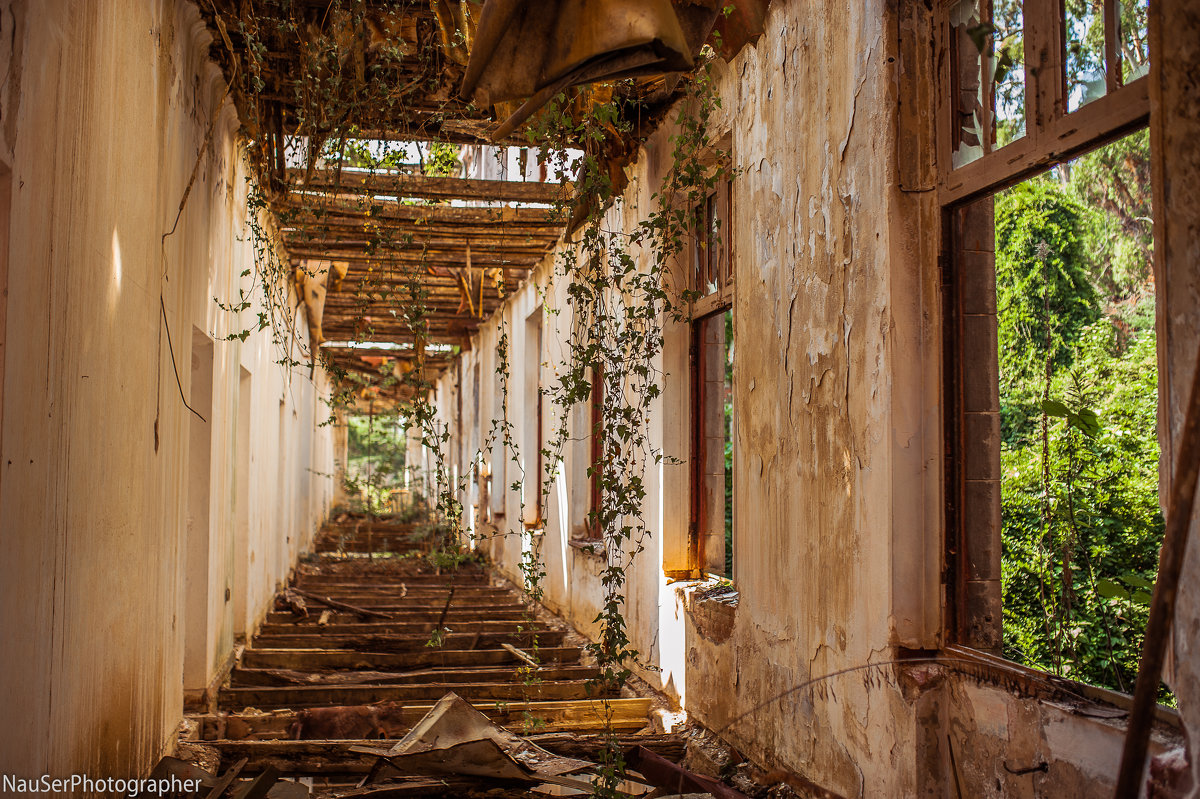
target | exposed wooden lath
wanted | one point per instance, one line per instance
(310, 73)
(400, 184)
(457, 263)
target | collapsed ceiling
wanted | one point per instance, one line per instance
(397, 256)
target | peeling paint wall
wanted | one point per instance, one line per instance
(839, 504)
(106, 579)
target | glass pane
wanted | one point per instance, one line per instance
(1008, 70)
(1134, 41)
(1084, 30)
(712, 238)
(988, 77)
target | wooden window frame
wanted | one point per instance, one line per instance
(592, 530)
(537, 521)
(1052, 135)
(704, 307)
(973, 613)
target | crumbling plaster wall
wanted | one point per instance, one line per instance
(838, 480)
(105, 112)
(820, 438)
(829, 408)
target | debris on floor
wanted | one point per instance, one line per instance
(483, 692)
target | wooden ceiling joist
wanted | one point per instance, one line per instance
(299, 207)
(510, 234)
(480, 249)
(395, 228)
(438, 258)
(399, 184)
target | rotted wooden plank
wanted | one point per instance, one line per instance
(325, 659)
(313, 696)
(627, 714)
(408, 643)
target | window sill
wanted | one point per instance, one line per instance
(711, 603)
(1087, 700)
(587, 546)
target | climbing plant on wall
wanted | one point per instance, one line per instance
(619, 276)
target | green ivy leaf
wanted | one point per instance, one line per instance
(1137, 581)
(980, 34)
(1110, 589)
(1002, 67)
(1052, 407)
(1087, 422)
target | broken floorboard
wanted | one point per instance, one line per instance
(308, 758)
(309, 687)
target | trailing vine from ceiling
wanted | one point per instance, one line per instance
(622, 282)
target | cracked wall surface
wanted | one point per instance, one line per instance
(838, 477)
(105, 110)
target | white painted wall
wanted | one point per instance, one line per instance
(104, 112)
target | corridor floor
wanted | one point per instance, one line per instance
(370, 634)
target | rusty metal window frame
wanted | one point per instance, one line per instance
(971, 568)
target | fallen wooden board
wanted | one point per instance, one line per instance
(319, 659)
(371, 582)
(401, 608)
(417, 589)
(405, 627)
(260, 678)
(315, 758)
(318, 695)
(416, 596)
(628, 715)
(510, 613)
(407, 643)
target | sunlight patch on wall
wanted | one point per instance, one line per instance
(114, 288)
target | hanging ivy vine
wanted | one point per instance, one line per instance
(621, 282)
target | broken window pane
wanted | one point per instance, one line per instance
(1134, 39)
(1008, 71)
(710, 249)
(987, 76)
(1084, 32)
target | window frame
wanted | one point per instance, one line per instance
(1052, 134)
(716, 205)
(972, 613)
(591, 531)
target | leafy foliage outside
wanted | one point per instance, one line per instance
(1078, 388)
(375, 459)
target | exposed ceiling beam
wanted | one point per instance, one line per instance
(434, 258)
(308, 206)
(428, 187)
